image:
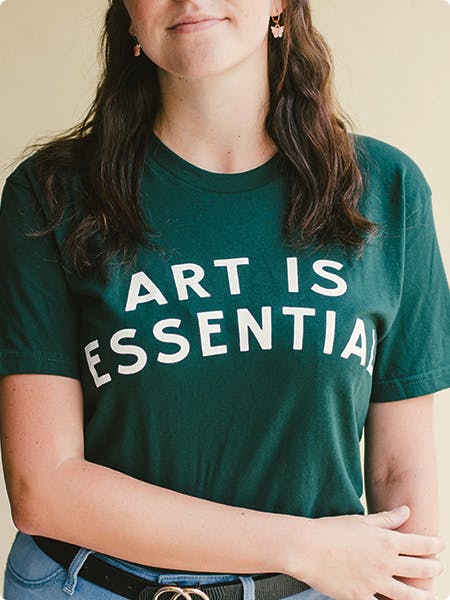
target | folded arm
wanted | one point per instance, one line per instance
(56, 493)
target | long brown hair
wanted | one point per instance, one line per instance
(106, 150)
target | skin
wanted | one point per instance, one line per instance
(214, 82)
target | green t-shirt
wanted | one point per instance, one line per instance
(230, 367)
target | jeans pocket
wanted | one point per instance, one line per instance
(29, 566)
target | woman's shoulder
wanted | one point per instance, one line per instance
(25, 171)
(26, 188)
(32, 167)
(387, 162)
(33, 175)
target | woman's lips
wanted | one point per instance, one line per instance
(198, 26)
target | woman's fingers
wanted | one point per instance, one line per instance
(418, 568)
(399, 590)
(419, 545)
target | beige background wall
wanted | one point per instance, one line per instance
(392, 67)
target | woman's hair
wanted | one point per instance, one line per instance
(106, 150)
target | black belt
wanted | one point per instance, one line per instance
(268, 586)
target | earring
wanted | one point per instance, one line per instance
(277, 29)
(137, 47)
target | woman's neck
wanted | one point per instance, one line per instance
(217, 122)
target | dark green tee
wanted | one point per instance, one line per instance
(230, 367)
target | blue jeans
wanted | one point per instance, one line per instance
(30, 575)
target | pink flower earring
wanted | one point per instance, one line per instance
(136, 47)
(277, 29)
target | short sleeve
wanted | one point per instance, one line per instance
(38, 313)
(413, 358)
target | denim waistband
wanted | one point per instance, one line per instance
(156, 574)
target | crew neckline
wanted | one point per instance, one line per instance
(210, 180)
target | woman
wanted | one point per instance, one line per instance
(210, 288)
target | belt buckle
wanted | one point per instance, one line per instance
(178, 591)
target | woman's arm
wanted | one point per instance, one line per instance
(400, 465)
(55, 492)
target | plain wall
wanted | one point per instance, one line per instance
(392, 63)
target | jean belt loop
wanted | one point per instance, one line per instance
(248, 584)
(78, 561)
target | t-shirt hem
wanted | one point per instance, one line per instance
(410, 387)
(31, 362)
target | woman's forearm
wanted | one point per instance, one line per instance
(418, 488)
(110, 512)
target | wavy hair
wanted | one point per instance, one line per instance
(106, 150)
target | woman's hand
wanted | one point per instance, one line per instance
(353, 557)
